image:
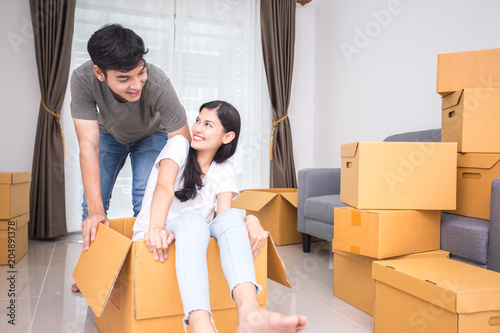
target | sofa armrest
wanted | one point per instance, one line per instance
(314, 182)
(494, 241)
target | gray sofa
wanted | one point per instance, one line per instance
(471, 240)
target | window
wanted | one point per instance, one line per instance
(210, 50)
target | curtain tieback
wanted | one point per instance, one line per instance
(275, 124)
(51, 112)
(58, 117)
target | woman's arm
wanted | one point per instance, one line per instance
(256, 234)
(157, 239)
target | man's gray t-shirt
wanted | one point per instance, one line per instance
(158, 109)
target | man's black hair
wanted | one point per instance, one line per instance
(114, 47)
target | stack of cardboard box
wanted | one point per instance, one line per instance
(395, 191)
(14, 216)
(439, 294)
(470, 85)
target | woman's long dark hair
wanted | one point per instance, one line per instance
(230, 119)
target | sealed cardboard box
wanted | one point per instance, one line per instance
(471, 117)
(475, 174)
(386, 233)
(14, 194)
(471, 69)
(13, 239)
(399, 175)
(352, 276)
(129, 291)
(435, 295)
(277, 211)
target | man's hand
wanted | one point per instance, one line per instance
(89, 227)
(256, 234)
(157, 241)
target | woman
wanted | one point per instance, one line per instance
(186, 184)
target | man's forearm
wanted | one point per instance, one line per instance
(89, 164)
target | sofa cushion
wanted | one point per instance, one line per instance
(319, 229)
(433, 135)
(465, 237)
(321, 207)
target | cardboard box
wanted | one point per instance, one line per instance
(277, 211)
(352, 276)
(143, 293)
(13, 239)
(475, 174)
(386, 233)
(471, 69)
(14, 194)
(471, 117)
(435, 295)
(399, 175)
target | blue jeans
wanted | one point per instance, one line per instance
(112, 156)
(192, 234)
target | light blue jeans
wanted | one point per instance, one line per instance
(112, 156)
(192, 234)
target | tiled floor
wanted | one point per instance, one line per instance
(45, 304)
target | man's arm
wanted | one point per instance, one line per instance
(184, 130)
(87, 132)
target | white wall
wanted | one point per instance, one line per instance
(389, 85)
(19, 87)
(301, 110)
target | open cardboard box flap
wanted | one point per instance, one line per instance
(255, 200)
(98, 268)
(451, 285)
(275, 266)
(291, 197)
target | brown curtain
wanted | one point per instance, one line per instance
(53, 22)
(278, 39)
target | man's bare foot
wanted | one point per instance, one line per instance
(74, 288)
(264, 321)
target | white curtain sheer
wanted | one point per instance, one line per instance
(210, 50)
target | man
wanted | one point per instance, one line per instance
(120, 106)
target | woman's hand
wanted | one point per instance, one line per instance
(256, 234)
(157, 241)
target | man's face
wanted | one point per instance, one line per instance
(125, 86)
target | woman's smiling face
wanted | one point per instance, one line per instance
(208, 133)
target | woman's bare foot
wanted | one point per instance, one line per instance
(74, 288)
(252, 319)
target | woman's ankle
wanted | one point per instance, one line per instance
(200, 321)
(245, 295)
